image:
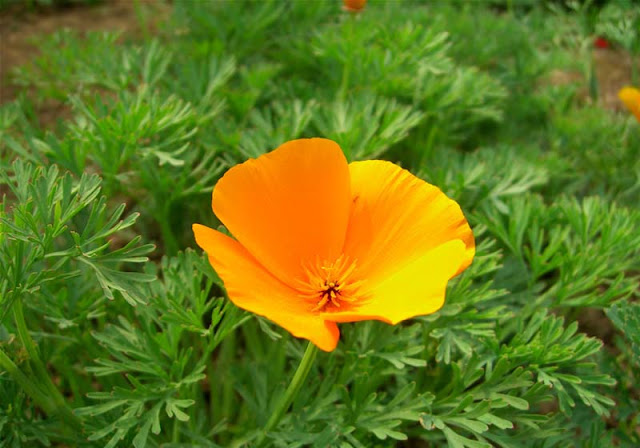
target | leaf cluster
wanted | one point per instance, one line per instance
(150, 353)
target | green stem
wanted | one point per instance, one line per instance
(428, 147)
(344, 84)
(60, 405)
(226, 358)
(169, 240)
(141, 16)
(292, 390)
(25, 383)
(211, 376)
(175, 438)
(346, 68)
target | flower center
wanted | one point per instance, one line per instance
(330, 293)
(329, 284)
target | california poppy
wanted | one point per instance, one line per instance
(630, 96)
(320, 241)
(601, 42)
(354, 5)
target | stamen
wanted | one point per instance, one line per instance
(329, 284)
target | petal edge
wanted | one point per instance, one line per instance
(415, 290)
(253, 288)
(397, 217)
(288, 206)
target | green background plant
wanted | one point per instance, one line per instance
(107, 342)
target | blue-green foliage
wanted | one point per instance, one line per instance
(149, 352)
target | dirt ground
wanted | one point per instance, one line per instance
(613, 70)
(18, 27)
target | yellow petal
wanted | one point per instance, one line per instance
(254, 289)
(397, 218)
(631, 98)
(415, 290)
(288, 206)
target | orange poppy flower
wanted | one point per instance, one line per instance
(353, 5)
(321, 241)
(630, 96)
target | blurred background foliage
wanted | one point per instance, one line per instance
(114, 332)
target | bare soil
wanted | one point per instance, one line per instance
(19, 27)
(613, 71)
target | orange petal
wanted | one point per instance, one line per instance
(254, 289)
(631, 98)
(288, 206)
(397, 218)
(354, 5)
(415, 290)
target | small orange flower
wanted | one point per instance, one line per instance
(630, 96)
(354, 5)
(321, 241)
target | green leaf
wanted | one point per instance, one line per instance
(457, 441)
(626, 316)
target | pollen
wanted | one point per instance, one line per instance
(330, 284)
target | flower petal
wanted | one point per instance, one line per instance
(353, 5)
(397, 218)
(630, 96)
(252, 288)
(288, 206)
(415, 290)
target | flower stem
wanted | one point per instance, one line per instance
(226, 358)
(60, 406)
(346, 68)
(25, 383)
(169, 240)
(292, 390)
